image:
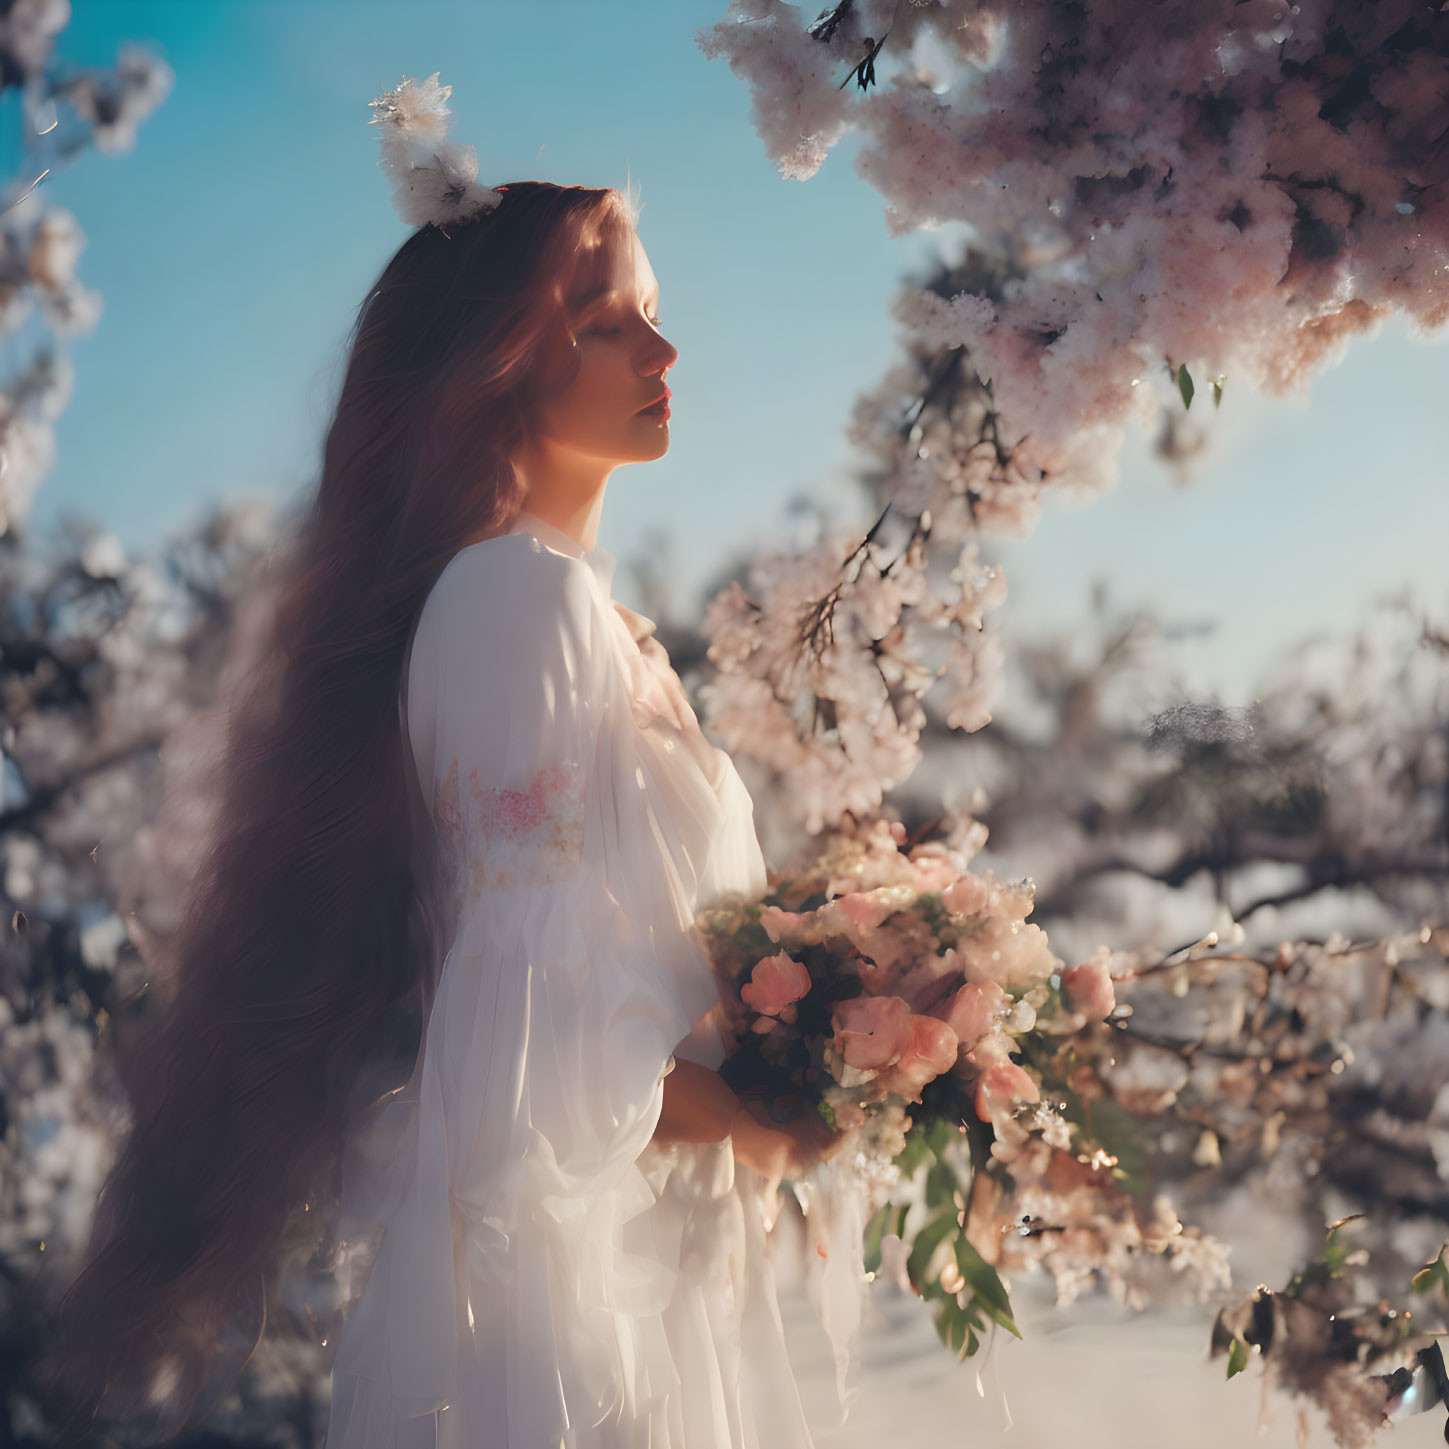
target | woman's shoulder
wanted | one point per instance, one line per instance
(510, 581)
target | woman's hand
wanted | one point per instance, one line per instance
(762, 1148)
(813, 1141)
(786, 1149)
(698, 1105)
(658, 690)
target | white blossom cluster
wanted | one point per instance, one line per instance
(822, 664)
(1237, 201)
(1233, 186)
(103, 660)
(60, 1141)
(28, 30)
(432, 179)
(29, 407)
(63, 111)
(1146, 823)
(112, 101)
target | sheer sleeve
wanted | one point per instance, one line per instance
(564, 1087)
(552, 1026)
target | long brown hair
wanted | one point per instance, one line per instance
(305, 933)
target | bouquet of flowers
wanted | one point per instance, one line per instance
(891, 991)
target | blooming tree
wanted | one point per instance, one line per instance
(110, 670)
(65, 109)
(1252, 184)
(1158, 196)
(1270, 880)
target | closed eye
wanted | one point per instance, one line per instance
(610, 331)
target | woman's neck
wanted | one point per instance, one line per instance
(564, 488)
(579, 522)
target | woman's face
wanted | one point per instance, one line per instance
(622, 358)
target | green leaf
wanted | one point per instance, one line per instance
(913, 1154)
(1328, 1265)
(751, 940)
(956, 1327)
(1435, 1275)
(935, 915)
(1334, 1253)
(940, 1135)
(874, 1232)
(941, 1184)
(1237, 1357)
(1184, 385)
(958, 1331)
(1218, 390)
(924, 1246)
(1105, 1124)
(986, 1286)
(932, 1291)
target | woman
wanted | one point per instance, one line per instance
(465, 773)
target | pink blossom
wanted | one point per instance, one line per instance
(993, 1050)
(973, 1008)
(778, 923)
(1001, 1087)
(969, 896)
(933, 1043)
(931, 1050)
(871, 1032)
(1009, 952)
(936, 871)
(1088, 988)
(775, 982)
(864, 910)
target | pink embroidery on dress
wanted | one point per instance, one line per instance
(512, 813)
(511, 838)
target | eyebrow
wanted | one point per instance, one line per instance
(600, 293)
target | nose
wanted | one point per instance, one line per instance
(661, 357)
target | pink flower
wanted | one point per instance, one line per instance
(969, 896)
(936, 871)
(860, 910)
(973, 1008)
(930, 1051)
(778, 923)
(1001, 1087)
(775, 982)
(993, 1050)
(871, 1032)
(1088, 988)
(932, 1042)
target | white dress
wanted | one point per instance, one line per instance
(548, 1276)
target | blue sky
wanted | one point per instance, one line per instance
(233, 246)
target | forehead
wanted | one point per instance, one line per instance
(609, 270)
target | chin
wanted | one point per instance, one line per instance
(652, 448)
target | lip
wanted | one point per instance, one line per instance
(662, 398)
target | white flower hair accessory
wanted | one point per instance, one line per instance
(433, 179)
